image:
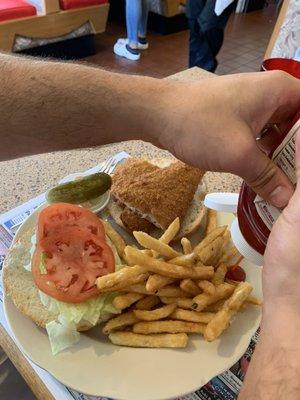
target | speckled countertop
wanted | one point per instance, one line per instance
(25, 178)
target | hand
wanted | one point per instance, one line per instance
(213, 124)
(274, 369)
(281, 275)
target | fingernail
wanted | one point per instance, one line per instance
(280, 196)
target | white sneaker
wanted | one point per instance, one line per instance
(140, 46)
(143, 46)
(122, 49)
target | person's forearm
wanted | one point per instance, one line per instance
(48, 106)
(274, 370)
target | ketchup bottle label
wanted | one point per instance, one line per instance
(284, 157)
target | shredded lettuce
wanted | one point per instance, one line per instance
(62, 335)
(89, 311)
(31, 251)
(62, 332)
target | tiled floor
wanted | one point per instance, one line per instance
(245, 43)
(246, 40)
(12, 386)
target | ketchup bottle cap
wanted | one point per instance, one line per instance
(224, 202)
(242, 245)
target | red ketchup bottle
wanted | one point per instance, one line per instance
(255, 217)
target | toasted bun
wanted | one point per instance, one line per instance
(194, 216)
(20, 287)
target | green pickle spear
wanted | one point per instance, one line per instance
(80, 190)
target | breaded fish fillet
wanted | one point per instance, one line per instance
(134, 222)
(157, 194)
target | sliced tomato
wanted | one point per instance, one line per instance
(60, 216)
(65, 266)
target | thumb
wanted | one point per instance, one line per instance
(267, 180)
(293, 208)
(297, 161)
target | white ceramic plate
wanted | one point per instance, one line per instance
(95, 366)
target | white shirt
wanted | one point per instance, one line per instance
(221, 5)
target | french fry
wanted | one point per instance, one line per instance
(203, 300)
(210, 238)
(185, 303)
(151, 243)
(239, 296)
(221, 320)
(120, 322)
(228, 255)
(189, 286)
(177, 340)
(170, 291)
(147, 252)
(239, 260)
(138, 288)
(172, 300)
(215, 307)
(192, 316)
(211, 221)
(115, 237)
(219, 275)
(167, 269)
(226, 237)
(166, 291)
(155, 315)
(254, 300)
(126, 300)
(185, 260)
(186, 245)
(168, 327)
(207, 287)
(168, 300)
(218, 325)
(122, 278)
(170, 232)
(157, 281)
(147, 303)
(134, 280)
(211, 253)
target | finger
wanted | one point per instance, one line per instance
(287, 97)
(297, 160)
(277, 99)
(266, 179)
(293, 209)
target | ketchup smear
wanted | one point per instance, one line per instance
(236, 273)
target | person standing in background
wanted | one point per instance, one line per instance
(207, 22)
(136, 22)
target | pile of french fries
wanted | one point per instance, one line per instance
(164, 295)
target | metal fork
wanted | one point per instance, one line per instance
(107, 166)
